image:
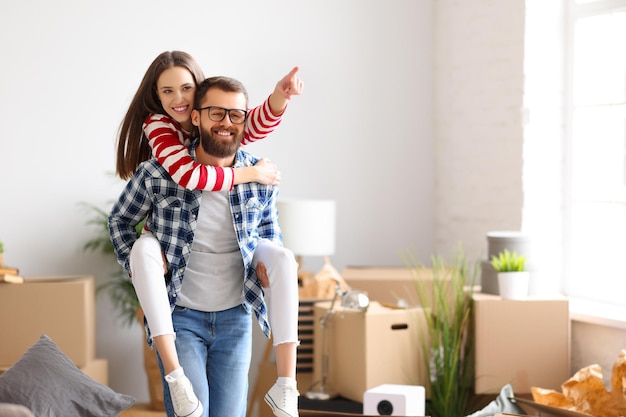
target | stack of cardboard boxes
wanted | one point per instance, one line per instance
(61, 307)
(525, 343)
(365, 349)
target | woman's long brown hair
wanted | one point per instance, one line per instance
(132, 146)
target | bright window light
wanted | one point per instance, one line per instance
(595, 228)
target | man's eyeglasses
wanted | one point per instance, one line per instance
(217, 114)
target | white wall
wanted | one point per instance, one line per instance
(361, 134)
(478, 61)
(596, 344)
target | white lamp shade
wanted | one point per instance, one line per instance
(308, 226)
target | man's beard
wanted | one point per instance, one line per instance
(217, 147)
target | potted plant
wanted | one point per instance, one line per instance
(1, 253)
(124, 298)
(448, 347)
(513, 279)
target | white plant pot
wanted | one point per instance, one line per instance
(513, 285)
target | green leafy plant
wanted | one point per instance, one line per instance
(448, 351)
(508, 261)
(1, 247)
(119, 287)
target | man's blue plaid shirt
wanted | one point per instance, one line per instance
(171, 213)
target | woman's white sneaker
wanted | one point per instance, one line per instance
(283, 399)
(184, 400)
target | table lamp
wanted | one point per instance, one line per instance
(308, 228)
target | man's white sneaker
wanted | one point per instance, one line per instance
(283, 400)
(184, 400)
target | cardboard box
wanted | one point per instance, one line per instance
(385, 285)
(389, 285)
(524, 343)
(97, 369)
(367, 349)
(61, 307)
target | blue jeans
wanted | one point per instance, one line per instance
(215, 350)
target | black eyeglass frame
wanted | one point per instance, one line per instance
(226, 112)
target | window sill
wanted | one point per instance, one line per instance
(593, 312)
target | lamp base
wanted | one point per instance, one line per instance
(323, 285)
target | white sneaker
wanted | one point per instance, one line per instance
(283, 400)
(184, 400)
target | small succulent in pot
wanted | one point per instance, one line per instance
(508, 261)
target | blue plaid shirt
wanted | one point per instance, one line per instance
(171, 213)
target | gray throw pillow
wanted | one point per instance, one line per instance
(47, 382)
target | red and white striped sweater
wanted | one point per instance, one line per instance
(169, 146)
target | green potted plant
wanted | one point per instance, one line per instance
(119, 287)
(1, 253)
(448, 345)
(123, 297)
(513, 278)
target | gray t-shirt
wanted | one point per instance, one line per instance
(213, 278)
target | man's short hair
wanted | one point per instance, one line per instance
(230, 85)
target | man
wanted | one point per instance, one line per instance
(209, 239)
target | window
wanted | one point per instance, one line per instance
(575, 146)
(595, 152)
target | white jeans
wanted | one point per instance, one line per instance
(146, 265)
